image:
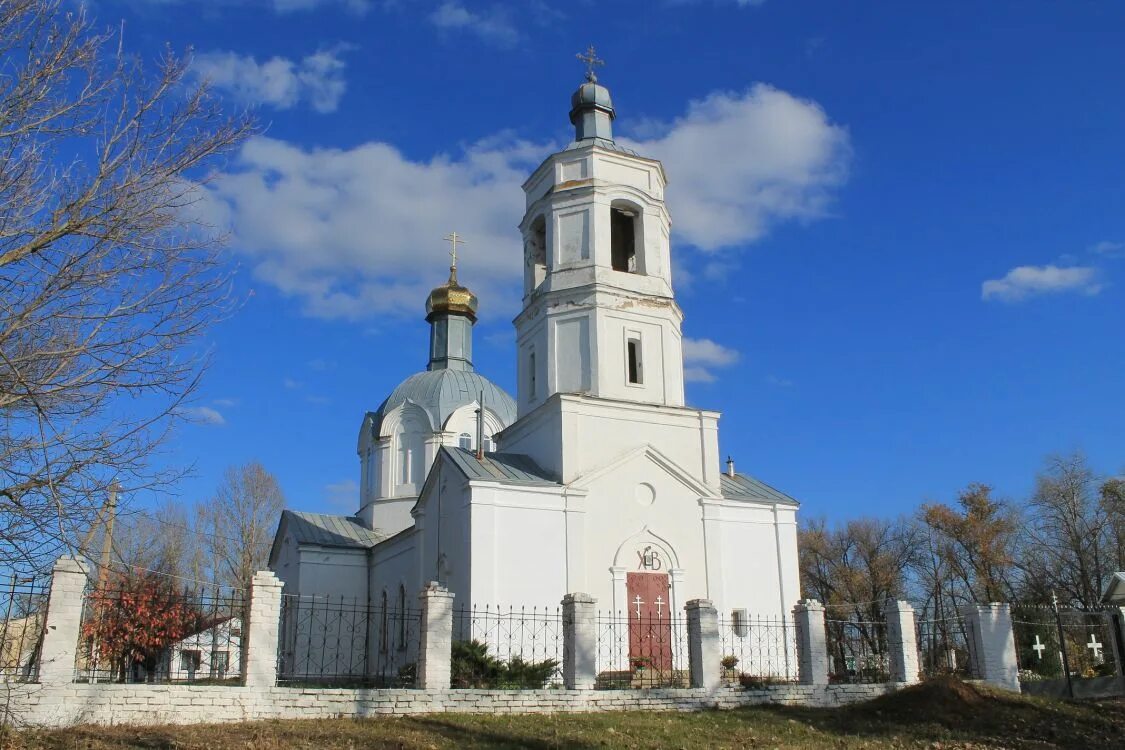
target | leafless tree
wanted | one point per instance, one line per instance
(1068, 544)
(107, 281)
(238, 522)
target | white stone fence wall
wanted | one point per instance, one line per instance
(56, 699)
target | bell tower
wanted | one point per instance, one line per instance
(599, 316)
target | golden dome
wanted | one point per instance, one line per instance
(453, 298)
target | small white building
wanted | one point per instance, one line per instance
(597, 477)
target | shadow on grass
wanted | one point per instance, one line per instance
(950, 710)
(470, 733)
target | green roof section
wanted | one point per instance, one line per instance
(744, 487)
(330, 531)
(510, 468)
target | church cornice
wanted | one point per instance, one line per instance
(592, 147)
(596, 294)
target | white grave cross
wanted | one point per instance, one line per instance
(1094, 646)
(1039, 648)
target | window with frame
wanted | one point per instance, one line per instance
(531, 375)
(401, 617)
(634, 364)
(220, 663)
(740, 622)
(384, 622)
(190, 661)
(465, 440)
(623, 239)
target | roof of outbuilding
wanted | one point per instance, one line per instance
(330, 531)
(743, 487)
(442, 392)
(510, 468)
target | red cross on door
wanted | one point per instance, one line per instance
(650, 620)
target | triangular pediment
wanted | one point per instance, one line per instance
(653, 457)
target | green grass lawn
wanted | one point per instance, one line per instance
(939, 716)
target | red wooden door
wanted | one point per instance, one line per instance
(650, 620)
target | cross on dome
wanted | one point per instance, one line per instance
(453, 238)
(590, 57)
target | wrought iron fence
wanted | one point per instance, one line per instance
(758, 650)
(23, 607)
(507, 647)
(945, 647)
(148, 630)
(332, 641)
(1054, 642)
(641, 651)
(857, 651)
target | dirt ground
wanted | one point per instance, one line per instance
(938, 715)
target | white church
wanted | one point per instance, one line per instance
(597, 477)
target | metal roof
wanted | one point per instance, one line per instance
(510, 468)
(442, 392)
(743, 487)
(330, 531)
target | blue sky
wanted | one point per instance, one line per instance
(898, 228)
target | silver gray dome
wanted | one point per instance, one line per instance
(591, 94)
(442, 392)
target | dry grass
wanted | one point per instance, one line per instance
(938, 716)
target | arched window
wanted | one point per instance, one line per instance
(465, 440)
(384, 621)
(410, 449)
(537, 253)
(623, 220)
(401, 617)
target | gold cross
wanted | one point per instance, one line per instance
(591, 59)
(453, 239)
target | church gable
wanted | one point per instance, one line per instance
(650, 457)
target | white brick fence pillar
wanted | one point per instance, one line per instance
(902, 641)
(580, 669)
(812, 642)
(434, 651)
(703, 644)
(992, 644)
(259, 667)
(64, 620)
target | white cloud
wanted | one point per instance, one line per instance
(492, 25)
(1032, 281)
(740, 163)
(1108, 249)
(357, 232)
(354, 233)
(342, 495)
(317, 79)
(703, 355)
(290, 383)
(698, 375)
(201, 415)
(225, 402)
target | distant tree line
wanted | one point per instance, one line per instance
(1067, 539)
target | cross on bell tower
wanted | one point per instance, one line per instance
(591, 59)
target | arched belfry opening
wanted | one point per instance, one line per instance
(625, 236)
(537, 252)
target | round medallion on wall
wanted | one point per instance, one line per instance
(644, 494)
